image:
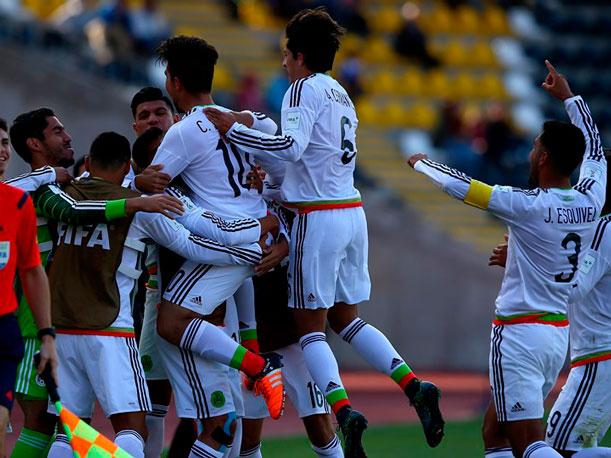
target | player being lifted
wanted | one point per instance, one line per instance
(548, 226)
(328, 250)
(195, 300)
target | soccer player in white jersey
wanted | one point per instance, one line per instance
(548, 226)
(328, 267)
(82, 377)
(217, 182)
(581, 415)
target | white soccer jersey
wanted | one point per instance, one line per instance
(214, 170)
(548, 228)
(147, 227)
(590, 303)
(319, 143)
(33, 180)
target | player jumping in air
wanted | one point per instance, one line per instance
(328, 273)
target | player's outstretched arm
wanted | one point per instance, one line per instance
(593, 172)
(173, 236)
(450, 180)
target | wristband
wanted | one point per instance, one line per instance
(46, 332)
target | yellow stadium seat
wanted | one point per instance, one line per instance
(411, 82)
(385, 82)
(494, 22)
(423, 116)
(438, 20)
(455, 53)
(394, 114)
(366, 111)
(223, 79)
(386, 20)
(463, 86)
(351, 44)
(437, 84)
(377, 50)
(481, 55)
(491, 86)
(467, 20)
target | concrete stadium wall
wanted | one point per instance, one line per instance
(432, 297)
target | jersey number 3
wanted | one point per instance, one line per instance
(573, 258)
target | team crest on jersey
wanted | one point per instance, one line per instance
(5, 253)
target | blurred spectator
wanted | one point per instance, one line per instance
(118, 29)
(287, 9)
(248, 95)
(350, 72)
(453, 136)
(149, 27)
(347, 13)
(276, 89)
(410, 41)
(72, 17)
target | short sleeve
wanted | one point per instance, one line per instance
(27, 244)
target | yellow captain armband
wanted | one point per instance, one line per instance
(478, 194)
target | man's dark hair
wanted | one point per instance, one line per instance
(77, 165)
(149, 94)
(29, 125)
(3, 125)
(191, 60)
(316, 35)
(141, 148)
(109, 151)
(565, 144)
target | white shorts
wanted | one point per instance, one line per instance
(581, 415)
(149, 353)
(524, 363)
(301, 390)
(202, 388)
(328, 259)
(105, 368)
(202, 287)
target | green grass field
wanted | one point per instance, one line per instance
(462, 440)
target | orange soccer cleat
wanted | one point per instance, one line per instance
(268, 384)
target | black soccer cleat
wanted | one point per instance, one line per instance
(425, 398)
(352, 424)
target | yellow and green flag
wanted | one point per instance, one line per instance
(85, 441)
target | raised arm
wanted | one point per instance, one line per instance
(593, 172)
(173, 236)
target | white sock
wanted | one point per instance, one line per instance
(595, 452)
(130, 441)
(233, 451)
(201, 450)
(60, 448)
(372, 345)
(245, 303)
(332, 449)
(208, 341)
(155, 426)
(322, 365)
(498, 452)
(540, 449)
(254, 452)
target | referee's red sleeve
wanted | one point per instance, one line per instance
(27, 243)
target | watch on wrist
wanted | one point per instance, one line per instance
(46, 332)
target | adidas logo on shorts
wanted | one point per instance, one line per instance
(332, 386)
(517, 407)
(197, 300)
(311, 298)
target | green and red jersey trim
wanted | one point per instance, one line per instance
(591, 358)
(112, 332)
(307, 207)
(552, 319)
